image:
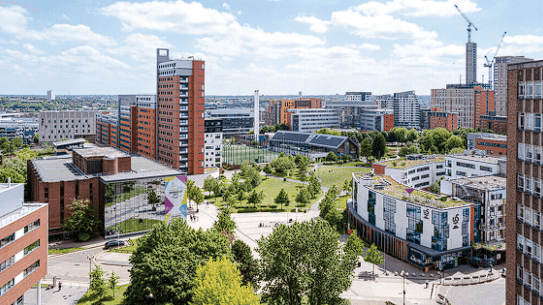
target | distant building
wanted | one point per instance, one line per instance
(50, 95)
(66, 125)
(213, 142)
(313, 145)
(493, 144)
(496, 123)
(500, 81)
(384, 101)
(116, 184)
(66, 146)
(371, 119)
(137, 128)
(357, 96)
(471, 63)
(309, 120)
(234, 121)
(24, 128)
(23, 244)
(107, 128)
(279, 109)
(406, 110)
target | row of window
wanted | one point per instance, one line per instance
(529, 247)
(529, 153)
(529, 89)
(33, 246)
(529, 184)
(32, 226)
(522, 301)
(529, 121)
(529, 215)
(529, 280)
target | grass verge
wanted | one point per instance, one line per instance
(63, 250)
(90, 298)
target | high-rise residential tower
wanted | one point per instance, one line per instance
(500, 80)
(471, 63)
(524, 232)
(406, 110)
(180, 117)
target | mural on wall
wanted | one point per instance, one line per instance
(175, 197)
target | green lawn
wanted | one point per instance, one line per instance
(63, 250)
(135, 225)
(331, 175)
(271, 188)
(127, 249)
(355, 164)
(341, 202)
(236, 154)
(90, 299)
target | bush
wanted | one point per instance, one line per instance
(83, 236)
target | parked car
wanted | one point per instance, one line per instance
(114, 243)
(503, 272)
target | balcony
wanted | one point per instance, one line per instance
(183, 80)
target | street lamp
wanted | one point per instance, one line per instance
(403, 275)
(90, 258)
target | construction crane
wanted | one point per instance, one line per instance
(470, 24)
(489, 63)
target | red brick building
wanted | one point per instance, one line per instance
(389, 122)
(180, 99)
(484, 104)
(105, 176)
(497, 124)
(23, 244)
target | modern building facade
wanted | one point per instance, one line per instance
(180, 118)
(213, 142)
(494, 144)
(406, 110)
(371, 119)
(496, 123)
(419, 172)
(473, 164)
(523, 231)
(280, 109)
(500, 80)
(107, 126)
(234, 121)
(116, 184)
(417, 227)
(23, 244)
(313, 119)
(24, 128)
(471, 63)
(137, 124)
(66, 125)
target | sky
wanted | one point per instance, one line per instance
(279, 47)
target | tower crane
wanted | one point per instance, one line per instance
(489, 63)
(470, 24)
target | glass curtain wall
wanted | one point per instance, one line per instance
(133, 206)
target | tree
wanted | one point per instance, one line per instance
(347, 185)
(255, 198)
(373, 256)
(412, 135)
(248, 266)
(190, 189)
(219, 283)
(16, 143)
(36, 138)
(82, 220)
(303, 162)
(354, 245)
(267, 169)
(225, 222)
(408, 149)
(314, 187)
(326, 205)
(303, 259)
(152, 197)
(331, 157)
(366, 148)
(210, 185)
(113, 282)
(97, 283)
(379, 147)
(303, 196)
(164, 263)
(454, 142)
(282, 198)
(282, 164)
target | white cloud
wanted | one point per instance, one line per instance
(379, 26)
(180, 17)
(529, 45)
(14, 21)
(32, 49)
(418, 8)
(140, 47)
(225, 6)
(315, 24)
(65, 17)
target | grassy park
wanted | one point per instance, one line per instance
(271, 188)
(236, 154)
(331, 175)
(90, 298)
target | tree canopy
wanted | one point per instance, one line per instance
(83, 219)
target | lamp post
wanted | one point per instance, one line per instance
(90, 258)
(403, 275)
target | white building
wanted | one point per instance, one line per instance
(473, 164)
(213, 142)
(406, 110)
(427, 230)
(50, 95)
(375, 119)
(309, 120)
(59, 125)
(413, 173)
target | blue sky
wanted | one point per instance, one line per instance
(278, 47)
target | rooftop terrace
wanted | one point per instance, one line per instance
(388, 186)
(489, 183)
(404, 163)
(108, 152)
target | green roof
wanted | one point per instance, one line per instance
(404, 163)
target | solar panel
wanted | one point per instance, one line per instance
(327, 140)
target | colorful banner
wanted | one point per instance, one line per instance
(175, 197)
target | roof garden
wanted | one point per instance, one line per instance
(388, 186)
(404, 163)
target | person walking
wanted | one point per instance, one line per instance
(59, 286)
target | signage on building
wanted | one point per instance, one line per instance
(175, 197)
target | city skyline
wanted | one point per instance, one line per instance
(278, 47)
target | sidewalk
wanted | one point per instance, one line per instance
(69, 295)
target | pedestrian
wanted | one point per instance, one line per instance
(59, 286)
(426, 283)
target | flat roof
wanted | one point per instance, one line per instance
(68, 142)
(62, 168)
(108, 152)
(17, 214)
(490, 183)
(388, 186)
(485, 159)
(401, 164)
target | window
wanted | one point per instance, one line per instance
(528, 247)
(4, 265)
(31, 268)
(521, 120)
(529, 89)
(521, 151)
(520, 211)
(7, 240)
(537, 89)
(521, 89)
(520, 182)
(520, 242)
(7, 287)
(486, 168)
(32, 226)
(537, 251)
(46, 192)
(32, 247)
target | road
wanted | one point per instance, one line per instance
(492, 293)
